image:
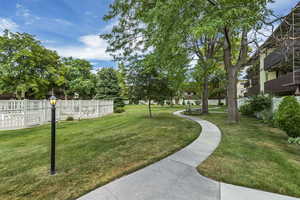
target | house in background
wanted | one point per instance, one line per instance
(275, 69)
(241, 88)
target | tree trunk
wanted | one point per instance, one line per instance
(149, 108)
(205, 96)
(233, 114)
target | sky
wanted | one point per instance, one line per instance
(72, 27)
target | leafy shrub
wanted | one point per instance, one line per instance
(259, 103)
(221, 104)
(288, 116)
(268, 117)
(70, 118)
(246, 109)
(119, 110)
(294, 140)
(183, 103)
(256, 104)
(118, 102)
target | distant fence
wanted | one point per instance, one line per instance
(15, 114)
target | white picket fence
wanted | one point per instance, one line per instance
(15, 114)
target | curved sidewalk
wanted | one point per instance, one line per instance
(176, 177)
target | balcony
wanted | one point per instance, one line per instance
(282, 84)
(283, 56)
(274, 59)
(252, 91)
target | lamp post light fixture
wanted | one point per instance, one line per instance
(53, 132)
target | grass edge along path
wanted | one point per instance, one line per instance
(254, 155)
(90, 153)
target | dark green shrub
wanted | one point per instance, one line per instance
(119, 110)
(246, 109)
(118, 102)
(70, 118)
(255, 105)
(288, 116)
(260, 103)
(183, 103)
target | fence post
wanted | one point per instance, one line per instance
(79, 104)
(97, 107)
(25, 104)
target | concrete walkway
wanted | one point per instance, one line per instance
(176, 177)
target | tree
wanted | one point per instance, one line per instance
(107, 86)
(166, 26)
(79, 78)
(26, 67)
(235, 19)
(122, 78)
(147, 83)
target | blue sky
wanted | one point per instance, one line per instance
(71, 27)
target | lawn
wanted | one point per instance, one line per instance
(90, 153)
(254, 155)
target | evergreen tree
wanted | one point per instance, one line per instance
(107, 86)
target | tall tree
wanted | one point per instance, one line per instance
(122, 77)
(235, 19)
(148, 83)
(26, 67)
(79, 78)
(167, 25)
(107, 86)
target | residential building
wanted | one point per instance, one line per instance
(275, 68)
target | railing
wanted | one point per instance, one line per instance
(281, 84)
(15, 114)
(273, 59)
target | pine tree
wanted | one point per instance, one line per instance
(107, 86)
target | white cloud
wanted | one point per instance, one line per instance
(6, 23)
(63, 22)
(26, 14)
(92, 48)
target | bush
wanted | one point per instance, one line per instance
(294, 140)
(268, 117)
(260, 103)
(70, 118)
(118, 102)
(255, 105)
(246, 109)
(288, 116)
(119, 110)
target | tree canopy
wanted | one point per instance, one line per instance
(187, 28)
(26, 67)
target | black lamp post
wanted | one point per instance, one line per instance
(53, 130)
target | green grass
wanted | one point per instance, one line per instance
(254, 155)
(90, 153)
